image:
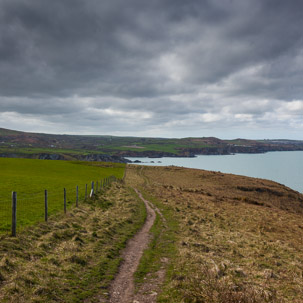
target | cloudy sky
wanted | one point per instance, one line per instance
(170, 68)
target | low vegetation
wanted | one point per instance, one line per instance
(71, 258)
(217, 238)
(29, 178)
(238, 239)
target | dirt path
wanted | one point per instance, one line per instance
(122, 289)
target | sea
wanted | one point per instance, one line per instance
(282, 167)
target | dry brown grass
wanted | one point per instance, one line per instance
(240, 238)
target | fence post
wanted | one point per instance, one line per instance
(64, 200)
(97, 185)
(14, 213)
(77, 195)
(85, 191)
(92, 190)
(45, 206)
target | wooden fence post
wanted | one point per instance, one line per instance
(97, 186)
(14, 213)
(85, 191)
(64, 200)
(45, 206)
(77, 195)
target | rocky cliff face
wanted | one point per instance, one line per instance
(103, 158)
(49, 156)
(149, 154)
(215, 150)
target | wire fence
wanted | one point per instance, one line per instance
(27, 209)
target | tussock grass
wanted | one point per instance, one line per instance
(71, 258)
(239, 239)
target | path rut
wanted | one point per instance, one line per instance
(122, 289)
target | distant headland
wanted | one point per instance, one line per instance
(17, 144)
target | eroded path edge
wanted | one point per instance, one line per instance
(122, 288)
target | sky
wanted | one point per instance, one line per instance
(156, 68)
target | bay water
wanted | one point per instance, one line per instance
(283, 167)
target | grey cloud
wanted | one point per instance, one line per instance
(172, 60)
(41, 106)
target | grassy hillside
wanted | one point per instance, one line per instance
(218, 238)
(31, 145)
(29, 178)
(236, 239)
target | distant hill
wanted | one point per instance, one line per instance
(112, 148)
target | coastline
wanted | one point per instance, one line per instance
(282, 167)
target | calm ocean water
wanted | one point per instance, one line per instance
(282, 167)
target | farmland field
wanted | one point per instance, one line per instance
(68, 147)
(29, 178)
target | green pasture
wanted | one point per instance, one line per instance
(173, 148)
(49, 150)
(29, 178)
(145, 147)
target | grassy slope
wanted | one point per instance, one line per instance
(34, 150)
(29, 178)
(71, 258)
(238, 239)
(227, 238)
(30, 143)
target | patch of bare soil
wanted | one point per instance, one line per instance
(148, 291)
(122, 289)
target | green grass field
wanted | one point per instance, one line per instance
(29, 178)
(40, 150)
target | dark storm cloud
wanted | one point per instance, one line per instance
(150, 65)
